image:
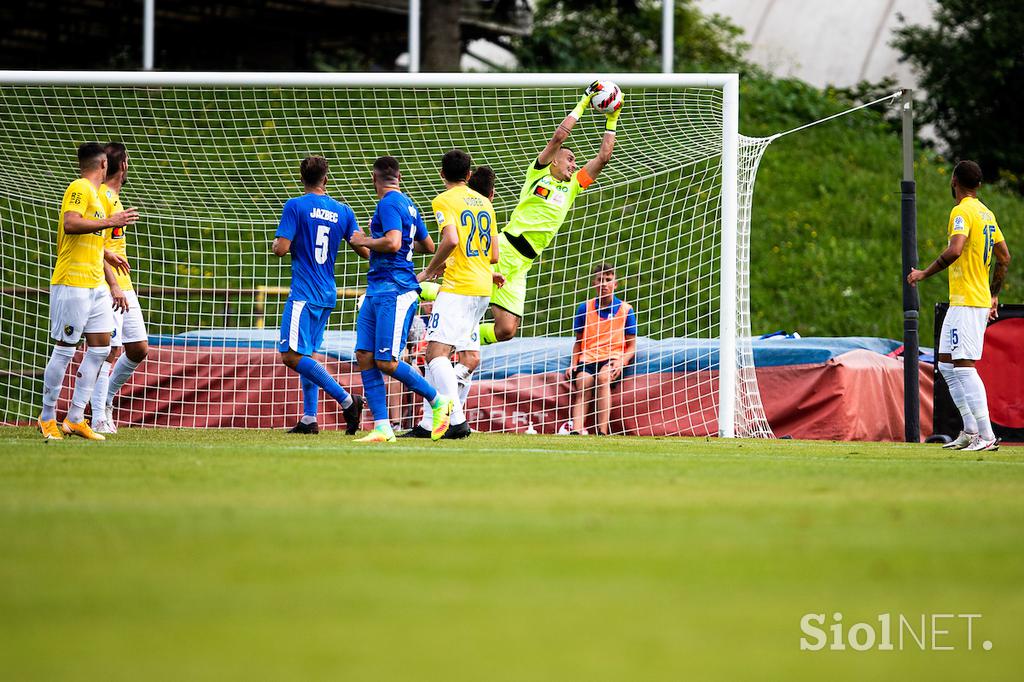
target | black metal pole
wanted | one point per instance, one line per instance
(911, 304)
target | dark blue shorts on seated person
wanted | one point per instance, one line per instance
(593, 368)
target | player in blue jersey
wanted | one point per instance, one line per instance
(392, 296)
(311, 229)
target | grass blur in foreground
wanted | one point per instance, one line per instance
(226, 554)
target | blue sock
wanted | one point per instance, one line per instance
(416, 383)
(376, 394)
(315, 372)
(310, 397)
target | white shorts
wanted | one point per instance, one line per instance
(75, 311)
(963, 332)
(129, 327)
(455, 320)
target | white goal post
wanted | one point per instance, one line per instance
(694, 319)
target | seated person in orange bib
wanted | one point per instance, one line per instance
(605, 329)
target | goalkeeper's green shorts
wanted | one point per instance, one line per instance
(515, 266)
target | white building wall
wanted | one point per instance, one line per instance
(825, 42)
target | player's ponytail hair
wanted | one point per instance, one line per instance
(313, 170)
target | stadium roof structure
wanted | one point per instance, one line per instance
(839, 42)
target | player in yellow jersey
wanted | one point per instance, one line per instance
(129, 326)
(80, 302)
(974, 238)
(465, 254)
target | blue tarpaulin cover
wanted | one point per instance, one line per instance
(539, 355)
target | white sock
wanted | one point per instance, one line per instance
(346, 403)
(977, 399)
(53, 379)
(427, 421)
(956, 391)
(464, 375)
(85, 381)
(308, 419)
(99, 393)
(445, 382)
(123, 369)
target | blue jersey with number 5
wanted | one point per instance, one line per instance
(393, 273)
(315, 224)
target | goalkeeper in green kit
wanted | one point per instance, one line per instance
(552, 184)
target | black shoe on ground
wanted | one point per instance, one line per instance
(416, 432)
(457, 431)
(354, 414)
(305, 428)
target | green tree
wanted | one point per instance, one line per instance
(625, 35)
(971, 63)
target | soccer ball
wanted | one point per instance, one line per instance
(608, 98)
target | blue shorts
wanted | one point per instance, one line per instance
(302, 327)
(383, 323)
(592, 368)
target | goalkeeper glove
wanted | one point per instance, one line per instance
(612, 120)
(588, 95)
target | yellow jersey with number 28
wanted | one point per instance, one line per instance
(468, 269)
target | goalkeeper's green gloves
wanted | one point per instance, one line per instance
(612, 120)
(584, 102)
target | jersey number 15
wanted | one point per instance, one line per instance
(990, 237)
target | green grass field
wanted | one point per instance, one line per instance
(224, 555)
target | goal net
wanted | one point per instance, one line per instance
(213, 158)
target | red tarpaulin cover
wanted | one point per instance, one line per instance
(855, 396)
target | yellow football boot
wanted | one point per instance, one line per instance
(49, 429)
(81, 429)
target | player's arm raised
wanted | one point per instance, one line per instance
(76, 223)
(594, 167)
(945, 259)
(561, 134)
